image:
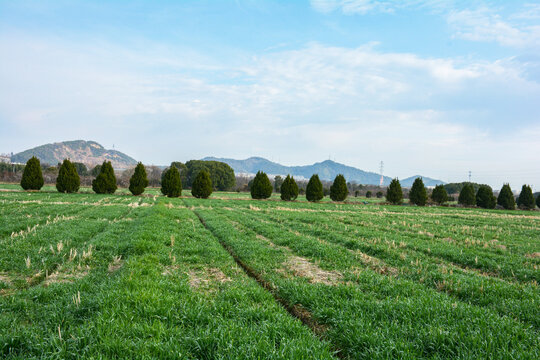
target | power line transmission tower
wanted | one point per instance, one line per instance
(470, 174)
(382, 178)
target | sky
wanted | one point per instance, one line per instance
(437, 88)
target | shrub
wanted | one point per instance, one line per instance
(467, 196)
(394, 193)
(314, 189)
(485, 198)
(202, 185)
(506, 198)
(261, 187)
(32, 177)
(68, 180)
(369, 194)
(538, 201)
(105, 182)
(82, 170)
(526, 198)
(278, 181)
(289, 189)
(339, 190)
(138, 180)
(379, 194)
(418, 193)
(171, 184)
(356, 193)
(439, 194)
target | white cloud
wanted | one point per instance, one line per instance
(359, 105)
(484, 24)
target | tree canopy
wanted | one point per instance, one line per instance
(439, 194)
(171, 185)
(105, 182)
(485, 198)
(526, 198)
(467, 195)
(68, 180)
(221, 174)
(394, 193)
(32, 177)
(289, 189)
(314, 189)
(339, 190)
(202, 185)
(506, 198)
(261, 187)
(138, 180)
(418, 193)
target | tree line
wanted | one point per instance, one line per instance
(206, 176)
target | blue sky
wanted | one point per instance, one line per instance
(431, 87)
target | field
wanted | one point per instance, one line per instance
(116, 276)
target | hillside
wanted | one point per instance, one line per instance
(88, 152)
(327, 170)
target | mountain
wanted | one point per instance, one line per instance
(88, 152)
(408, 182)
(327, 170)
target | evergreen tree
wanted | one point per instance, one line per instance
(32, 177)
(105, 182)
(467, 196)
(369, 194)
(68, 180)
(538, 201)
(526, 198)
(138, 180)
(289, 189)
(379, 194)
(171, 184)
(506, 198)
(339, 190)
(314, 189)
(439, 194)
(418, 194)
(485, 198)
(394, 194)
(202, 185)
(261, 187)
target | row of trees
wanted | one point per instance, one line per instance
(468, 196)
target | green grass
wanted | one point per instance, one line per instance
(116, 276)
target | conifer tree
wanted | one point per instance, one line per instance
(369, 194)
(68, 180)
(138, 180)
(171, 184)
(526, 198)
(32, 177)
(261, 187)
(418, 193)
(202, 185)
(314, 189)
(105, 182)
(506, 198)
(394, 194)
(485, 198)
(338, 190)
(467, 196)
(289, 189)
(439, 194)
(538, 201)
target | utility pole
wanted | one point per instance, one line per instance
(470, 174)
(382, 178)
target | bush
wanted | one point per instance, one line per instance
(105, 182)
(467, 196)
(171, 184)
(278, 181)
(32, 177)
(289, 189)
(138, 181)
(314, 189)
(439, 194)
(202, 185)
(68, 180)
(526, 198)
(82, 170)
(379, 194)
(261, 187)
(485, 198)
(338, 189)
(506, 198)
(418, 193)
(394, 193)
(369, 194)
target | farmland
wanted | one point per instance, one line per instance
(90, 276)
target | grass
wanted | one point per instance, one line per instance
(115, 276)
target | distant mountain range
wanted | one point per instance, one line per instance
(327, 170)
(89, 153)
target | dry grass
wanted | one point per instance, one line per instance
(300, 266)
